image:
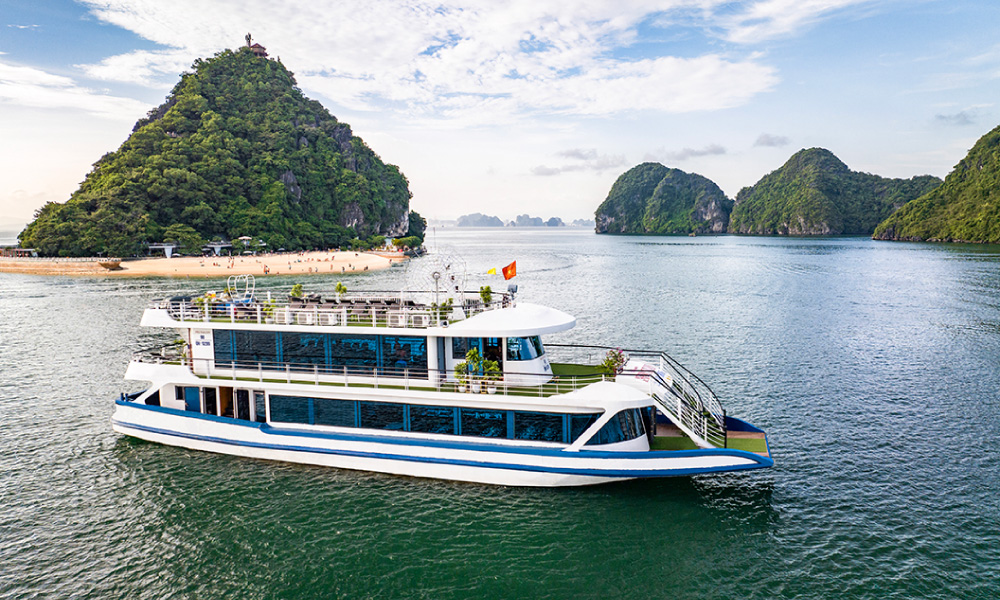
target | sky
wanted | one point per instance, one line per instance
(522, 106)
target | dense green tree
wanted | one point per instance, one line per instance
(814, 193)
(965, 208)
(417, 226)
(235, 149)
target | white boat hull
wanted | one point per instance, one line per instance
(459, 460)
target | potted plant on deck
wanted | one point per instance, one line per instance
(491, 372)
(461, 374)
(474, 360)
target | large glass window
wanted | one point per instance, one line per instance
(254, 347)
(545, 427)
(289, 409)
(524, 348)
(404, 354)
(432, 419)
(339, 413)
(359, 353)
(484, 423)
(626, 425)
(382, 415)
(303, 350)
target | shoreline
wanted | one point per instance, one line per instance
(297, 263)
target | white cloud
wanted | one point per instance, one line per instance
(30, 87)
(461, 60)
(768, 19)
(662, 155)
(587, 160)
(140, 67)
(768, 140)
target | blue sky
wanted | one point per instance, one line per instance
(525, 106)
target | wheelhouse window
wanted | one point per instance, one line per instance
(624, 426)
(528, 348)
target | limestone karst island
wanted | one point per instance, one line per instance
(236, 152)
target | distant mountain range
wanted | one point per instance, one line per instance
(813, 193)
(481, 220)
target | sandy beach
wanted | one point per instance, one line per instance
(305, 263)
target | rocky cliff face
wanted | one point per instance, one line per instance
(653, 199)
(235, 149)
(814, 193)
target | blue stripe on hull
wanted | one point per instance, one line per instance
(582, 472)
(454, 445)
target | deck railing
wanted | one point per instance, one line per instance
(367, 309)
(677, 390)
(689, 401)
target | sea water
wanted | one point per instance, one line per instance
(873, 366)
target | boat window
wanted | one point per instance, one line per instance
(471, 422)
(524, 348)
(404, 355)
(624, 426)
(210, 403)
(432, 419)
(290, 409)
(338, 413)
(580, 423)
(243, 404)
(260, 411)
(381, 415)
(545, 427)
(461, 346)
(305, 351)
(484, 423)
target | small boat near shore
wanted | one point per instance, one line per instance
(463, 389)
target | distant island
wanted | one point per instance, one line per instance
(235, 150)
(653, 199)
(481, 220)
(814, 193)
(966, 208)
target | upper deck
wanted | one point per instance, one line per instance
(501, 316)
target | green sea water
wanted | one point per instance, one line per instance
(874, 367)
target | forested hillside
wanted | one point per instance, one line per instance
(653, 199)
(966, 208)
(236, 150)
(814, 193)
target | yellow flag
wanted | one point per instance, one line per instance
(492, 271)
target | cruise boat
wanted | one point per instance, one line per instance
(419, 385)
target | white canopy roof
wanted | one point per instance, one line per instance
(523, 320)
